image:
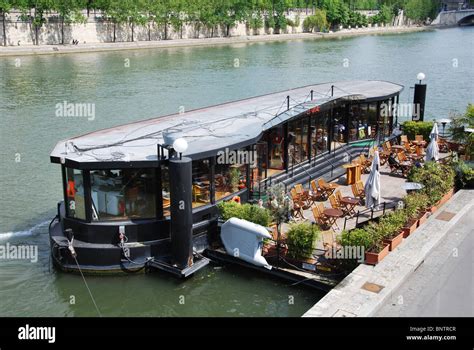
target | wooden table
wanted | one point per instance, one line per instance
(398, 147)
(329, 188)
(349, 204)
(419, 143)
(352, 173)
(333, 215)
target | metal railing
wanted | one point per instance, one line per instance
(384, 206)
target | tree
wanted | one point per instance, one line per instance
(69, 11)
(161, 13)
(5, 8)
(337, 11)
(419, 10)
(114, 12)
(40, 7)
(317, 22)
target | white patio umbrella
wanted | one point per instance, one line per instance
(372, 186)
(432, 151)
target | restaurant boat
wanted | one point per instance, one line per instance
(144, 194)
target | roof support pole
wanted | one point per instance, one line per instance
(180, 175)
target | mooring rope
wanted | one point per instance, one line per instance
(73, 254)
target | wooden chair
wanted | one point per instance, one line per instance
(317, 193)
(319, 217)
(302, 193)
(334, 202)
(443, 145)
(405, 163)
(420, 151)
(201, 194)
(409, 148)
(324, 186)
(330, 244)
(298, 205)
(404, 138)
(365, 164)
(360, 189)
(419, 138)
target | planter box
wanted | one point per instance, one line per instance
(409, 228)
(375, 258)
(395, 241)
(423, 218)
(445, 198)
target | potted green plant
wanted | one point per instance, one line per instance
(234, 177)
(301, 240)
(438, 181)
(415, 205)
(356, 238)
(379, 249)
(249, 212)
(391, 226)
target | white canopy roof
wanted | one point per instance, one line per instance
(208, 130)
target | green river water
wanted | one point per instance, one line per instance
(133, 85)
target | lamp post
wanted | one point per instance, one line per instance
(419, 98)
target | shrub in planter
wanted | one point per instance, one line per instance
(391, 227)
(301, 239)
(252, 213)
(415, 204)
(412, 128)
(229, 210)
(464, 175)
(379, 249)
(437, 179)
(356, 238)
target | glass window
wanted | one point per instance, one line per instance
(354, 121)
(165, 190)
(295, 144)
(201, 182)
(275, 140)
(123, 194)
(363, 122)
(339, 127)
(304, 139)
(319, 132)
(230, 172)
(372, 120)
(75, 200)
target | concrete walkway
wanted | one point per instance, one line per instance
(443, 286)
(367, 288)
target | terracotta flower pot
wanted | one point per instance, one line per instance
(446, 197)
(423, 218)
(372, 258)
(410, 227)
(394, 241)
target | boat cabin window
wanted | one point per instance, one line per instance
(165, 188)
(230, 173)
(123, 194)
(75, 200)
(201, 183)
(319, 132)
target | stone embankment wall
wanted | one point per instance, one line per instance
(98, 30)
